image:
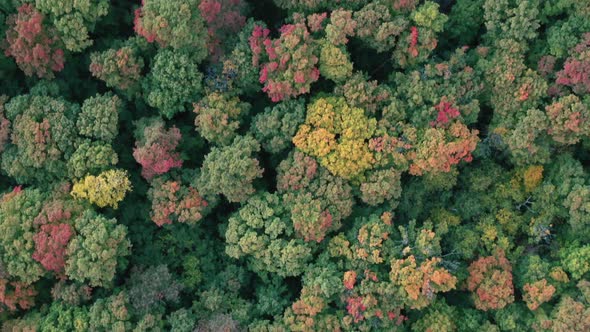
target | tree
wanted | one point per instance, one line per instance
(16, 295)
(289, 65)
(340, 27)
(50, 246)
(537, 293)
(97, 251)
(173, 201)
(275, 127)
(570, 315)
(490, 280)
(151, 288)
(441, 148)
(119, 68)
(261, 232)
(43, 137)
(72, 294)
(230, 170)
(18, 210)
(178, 24)
(335, 63)
(110, 314)
(174, 81)
(576, 70)
(419, 283)
(381, 186)
(91, 158)
(569, 120)
(99, 117)
(155, 147)
(223, 19)
(578, 203)
(74, 20)
(362, 93)
(35, 47)
(63, 317)
(318, 201)
(219, 116)
(575, 260)
(106, 189)
(337, 135)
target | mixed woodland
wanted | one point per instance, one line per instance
(295, 165)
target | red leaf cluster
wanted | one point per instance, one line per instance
(490, 278)
(445, 112)
(13, 294)
(50, 246)
(157, 155)
(222, 17)
(576, 70)
(34, 46)
(171, 201)
(291, 66)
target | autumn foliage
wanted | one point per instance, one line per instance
(288, 64)
(295, 165)
(490, 280)
(155, 148)
(33, 44)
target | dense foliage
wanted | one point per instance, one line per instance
(295, 165)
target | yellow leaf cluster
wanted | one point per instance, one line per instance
(337, 135)
(106, 189)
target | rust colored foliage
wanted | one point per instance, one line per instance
(404, 5)
(309, 220)
(533, 176)
(372, 301)
(570, 316)
(307, 313)
(421, 282)
(290, 61)
(441, 148)
(173, 202)
(490, 280)
(155, 150)
(349, 279)
(119, 68)
(16, 295)
(537, 293)
(34, 46)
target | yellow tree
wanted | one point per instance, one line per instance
(106, 189)
(337, 135)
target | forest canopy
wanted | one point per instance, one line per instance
(295, 165)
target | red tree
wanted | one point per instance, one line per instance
(490, 280)
(34, 46)
(13, 294)
(291, 61)
(576, 70)
(155, 149)
(50, 246)
(223, 18)
(173, 202)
